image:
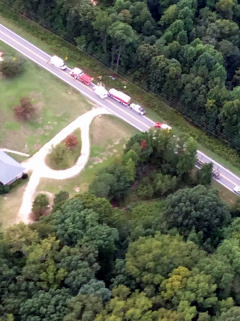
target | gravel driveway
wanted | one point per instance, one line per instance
(36, 164)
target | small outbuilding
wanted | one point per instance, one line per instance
(10, 170)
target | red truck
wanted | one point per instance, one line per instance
(119, 96)
(79, 75)
(85, 79)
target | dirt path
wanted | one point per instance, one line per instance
(39, 169)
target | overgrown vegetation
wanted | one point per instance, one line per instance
(148, 168)
(66, 153)
(39, 207)
(12, 66)
(174, 259)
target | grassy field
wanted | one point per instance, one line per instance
(227, 196)
(57, 105)
(10, 204)
(108, 135)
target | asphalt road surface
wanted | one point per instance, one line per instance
(142, 123)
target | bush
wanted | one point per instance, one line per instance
(60, 198)
(40, 206)
(25, 110)
(4, 189)
(144, 189)
(58, 157)
(64, 155)
(12, 66)
(71, 141)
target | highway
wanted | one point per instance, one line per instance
(142, 123)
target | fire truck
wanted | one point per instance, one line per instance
(78, 74)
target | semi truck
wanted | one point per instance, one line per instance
(78, 74)
(119, 96)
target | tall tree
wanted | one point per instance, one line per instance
(122, 34)
(197, 209)
(151, 259)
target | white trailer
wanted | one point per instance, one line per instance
(119, 96)
(137, 108)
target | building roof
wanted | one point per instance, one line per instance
(10, 169)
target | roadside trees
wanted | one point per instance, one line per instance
(122, 34)
(204, 174)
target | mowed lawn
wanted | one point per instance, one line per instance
(10, 204)
(108, 136)
(56, 104)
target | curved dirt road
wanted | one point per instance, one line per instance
(39, 169)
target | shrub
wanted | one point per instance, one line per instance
(58, 157)
(60, 198)
(4, 189)
(12, 66)
(144, 189)
(25, 110)
(40, 206)
(71, 141)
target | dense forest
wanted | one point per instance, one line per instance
(158, 246)
(186, 51)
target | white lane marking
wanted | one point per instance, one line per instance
(23, 46)
(24, 40)
(71, 84)
(218, 164)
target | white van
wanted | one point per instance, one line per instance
(57, 62)
(101, 91)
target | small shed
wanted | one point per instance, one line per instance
(10, 170)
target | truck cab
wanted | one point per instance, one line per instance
(76, 72)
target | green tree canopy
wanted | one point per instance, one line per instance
(197, 209)
(151, 259)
